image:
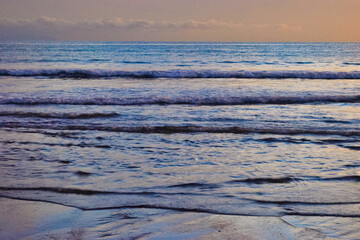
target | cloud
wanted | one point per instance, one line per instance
(259, 26)
(286, 27)
(283, 27)
(115, 23)
(49, 28)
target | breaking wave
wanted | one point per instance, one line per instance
(169, 129)
(59, 115)
(179, 100)
(177, 73)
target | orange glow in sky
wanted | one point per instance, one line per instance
(185, 20)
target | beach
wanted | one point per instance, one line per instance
(179, 140)
(50, 221)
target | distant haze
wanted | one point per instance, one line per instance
(182, 20)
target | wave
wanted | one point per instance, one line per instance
(181, 100)
(351, 178)
(264, 180)
(81, 145)
(194, 185)
(281, 202)
(168, 129)
(59, 115)
(289, 179)
(352, 63)
(190, 185)
(76, 191)
(242, 211)
(357, 148)
(177, 73)
(299, 62)
(58, 190)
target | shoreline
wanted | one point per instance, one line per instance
(27, 219)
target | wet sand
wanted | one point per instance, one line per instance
(38, 220)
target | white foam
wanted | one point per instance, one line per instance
(176, 73)
(178, 100)
(169, 129)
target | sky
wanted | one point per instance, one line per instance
(181, 20)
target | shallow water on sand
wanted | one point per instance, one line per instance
(38, 220)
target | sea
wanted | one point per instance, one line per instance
(250, 129)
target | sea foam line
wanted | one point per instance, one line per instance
(177, 73)
(58, 115)
(169, 129)
(174, 100)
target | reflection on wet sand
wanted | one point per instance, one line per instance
(45, 221)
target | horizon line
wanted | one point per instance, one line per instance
(160, 41)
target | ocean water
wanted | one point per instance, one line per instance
(259, 129)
